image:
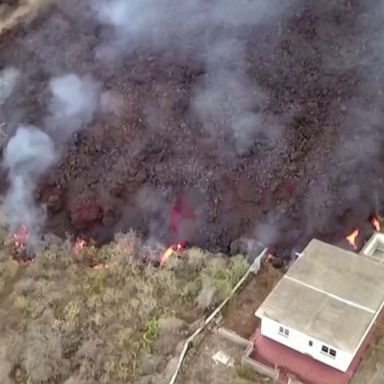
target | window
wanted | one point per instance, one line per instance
(328, 351)
(324, 349)
(310, 342)
(283, 331)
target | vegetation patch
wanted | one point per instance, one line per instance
(68, 320)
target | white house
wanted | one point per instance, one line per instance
(325, 304)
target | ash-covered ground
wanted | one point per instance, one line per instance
(198, 120)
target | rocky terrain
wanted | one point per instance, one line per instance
(165, 153)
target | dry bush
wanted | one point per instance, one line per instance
(106, 325)
(43, 355)
(5, 365)
(206, 296)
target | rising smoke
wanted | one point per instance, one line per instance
(228, 105)
(8, 79)
(31, 151)
(72, 105)
(348, 182)
(321, 75)
(28, 155)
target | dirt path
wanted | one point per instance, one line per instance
(239, 316)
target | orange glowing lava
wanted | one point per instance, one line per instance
(176, 248)
(353, 237)
(376, 223)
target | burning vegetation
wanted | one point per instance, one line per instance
(175, 249)
(21, 250)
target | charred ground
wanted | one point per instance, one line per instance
(146, 161)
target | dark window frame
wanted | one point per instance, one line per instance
(283, 331)
(324, 349)
(330, 352)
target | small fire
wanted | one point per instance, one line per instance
(375, 222)
(175, 248)
(21, 254)
(353, 237)
(270, 257)
(20, 236)
(79, 245)
(98, 265)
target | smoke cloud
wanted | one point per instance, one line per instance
(29, 153)
(8, 79)
(72, 105)
(228, 106)
(349, 181)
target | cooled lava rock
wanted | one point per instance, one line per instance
(86, 214)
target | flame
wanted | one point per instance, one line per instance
(22, 255)
(353, 237)
(79, 245)
(98, 265)
(166, 255)
(175, 248)
(20, 236)
(375, 222)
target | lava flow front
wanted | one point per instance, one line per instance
(352, 238)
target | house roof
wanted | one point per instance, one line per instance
(330, 294)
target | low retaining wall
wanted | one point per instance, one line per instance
(259, 367)
(234, 337)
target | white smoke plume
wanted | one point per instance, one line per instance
(29, 153)
(215, 31)
(73, 104)
(8, 80)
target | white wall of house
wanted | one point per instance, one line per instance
(306, 344)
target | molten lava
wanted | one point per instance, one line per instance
(180, 211)
(175, 248)
(352, 238)
(375, 222)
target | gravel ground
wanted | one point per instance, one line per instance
(146, 158)
(201, 368)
